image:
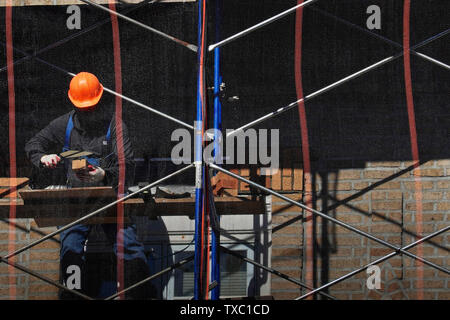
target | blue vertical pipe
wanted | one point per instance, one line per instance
(198, 149)
(215, 240)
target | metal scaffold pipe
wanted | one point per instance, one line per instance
(388, 256)
(142, 25)
(334, 85)
(379, 36)
(94, 213)
(336, 221)
(259, 25)
(137, 103)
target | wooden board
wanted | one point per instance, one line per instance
(6, 184)
(39, 195)
(224, 206)
(55, 207)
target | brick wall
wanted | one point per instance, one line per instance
(43, 258)
(379, 199)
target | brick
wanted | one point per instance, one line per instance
(342, 252)
(287, 183)
(286, 295)
(40, 255)
(393, 195)
(426, 206)
(298, 179)
(412, 185)
(292, 196)
(360, 185)
(286, 252)
(278, 209)
(287, 217)
(349, 174)
(380, 251)
(388, 185)
(444, 295)
(428, 195)
(353, 241)
(290, 229)
(48, 244)
(443, 163)
(385, 228)
(443, 206)
(290, 262)
(276, 181)
(347, 285)
(44, 266)
(428, 172)
(344, 262)
(378, 195)
(286, 241)
(292, 273)
(378, 174)
(39, 288)
(349, 218)
(433, 217)
(343, 186)
(445, 184)
(5, 292)
(387, 205)
(435, 284)
(287, 172)
(384, 164)
(283, 284)
(48, 296)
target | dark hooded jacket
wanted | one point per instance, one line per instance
(88, 134)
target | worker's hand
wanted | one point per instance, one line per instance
(50, 160)
(92, 175)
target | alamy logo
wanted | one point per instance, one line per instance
(242, 147)
(374, 280)
(74, 278)
(74, 20)
(374, 20)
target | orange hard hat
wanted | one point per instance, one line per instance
(85, 90)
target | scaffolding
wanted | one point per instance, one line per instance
(206, 217)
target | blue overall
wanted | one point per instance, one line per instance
(73, 240)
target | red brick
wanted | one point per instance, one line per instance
(287, 183)
(349, 174)
(378, 174)
(388, 185)
(283, 284)
(412, 185)
(426, 206)
(360, 185)
(384, 164)
(385, 228)
(286, 241)
(286, 295)
(279, 209)
(39, 288)
(286, 252)
(276, 181)
(380, 251)
(387, 205)
(443, 206)
(445, 184)
(286, 263)
(428, 172)
(39, 255)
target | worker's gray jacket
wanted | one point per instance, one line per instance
(88, 134)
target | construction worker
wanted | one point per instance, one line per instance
(88, 128)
